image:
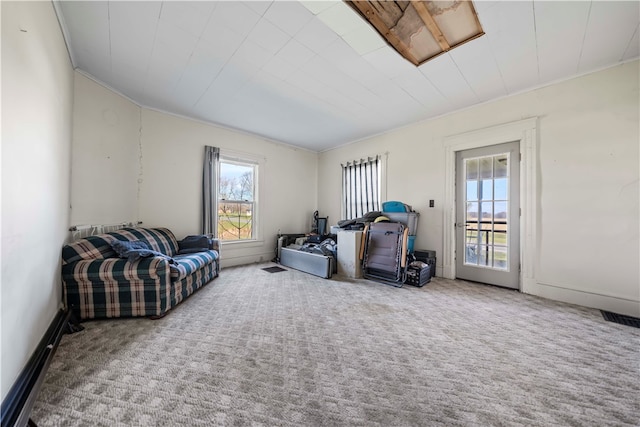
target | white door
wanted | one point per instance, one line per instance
(488, 215)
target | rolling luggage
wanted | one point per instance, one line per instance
(384, 252)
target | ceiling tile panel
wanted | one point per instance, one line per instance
(289, 16)
(483, 5)
(222, 40)
(443, 73)
(339, 52)
(560, 30)
(87, 25)
(319, 90)
(268, 36)
(173, 44)
(221, 92)
(362, 71)
(478, 67)
(318, 6)
(202, 69)
(259, 6)
(329, 75)
(316, 35)
(189, 16)
(341, 18)
(235, 15)
(303, 81)
(388, 62)
(279, 68)
(133, 31)
(250, 57)
(510, 29)
(364, 40)
(421, 89)
(394, 96)
(611, 26)
(295, 53)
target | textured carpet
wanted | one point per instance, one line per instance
(291, 349)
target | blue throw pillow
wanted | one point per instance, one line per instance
(123, 247)
(134, 250)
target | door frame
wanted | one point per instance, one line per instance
(525, 132)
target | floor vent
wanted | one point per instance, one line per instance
(621, 318)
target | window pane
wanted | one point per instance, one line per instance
(487, 189)
(486, 167)
(471, 254)
(501, 189)
(487, 211)
(472, 211)
(472, 190)
(501, 211)
(500, 235)
(235, 221)
(472, 168)
(236, 204)
(236, 181)
(500, 258)
(500, 165)
(485, 256)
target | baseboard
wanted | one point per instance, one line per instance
(586, 299)
(17, 405)
(246, 259)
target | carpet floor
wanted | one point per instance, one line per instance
(291, 349)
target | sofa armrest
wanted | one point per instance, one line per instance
(214, 244)
(115, 287)
(117, 269)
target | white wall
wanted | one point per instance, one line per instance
(587, 189)
(37, 95)
(105, 155)
(132, 163)
(171, 192)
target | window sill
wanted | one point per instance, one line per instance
(243, 243)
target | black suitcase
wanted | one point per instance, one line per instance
(384, 252)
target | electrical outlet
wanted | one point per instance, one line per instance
(432, 203)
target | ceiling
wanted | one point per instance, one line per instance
(313, 74)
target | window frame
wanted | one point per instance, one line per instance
(244, 159)
(382, 180)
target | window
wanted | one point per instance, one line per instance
(237, 204)
(361, 180)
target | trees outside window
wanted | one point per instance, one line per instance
(236, 203)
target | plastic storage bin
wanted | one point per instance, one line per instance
(417, 276)
(428, 257)
(394, 206)
(410, 219)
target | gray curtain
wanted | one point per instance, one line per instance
(210, 190)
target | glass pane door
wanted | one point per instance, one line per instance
(487, 211)
(488, 214)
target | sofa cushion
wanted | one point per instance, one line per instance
(89, 248)
(190, 263)
(99, 246)
(193, 244)
(159, 239)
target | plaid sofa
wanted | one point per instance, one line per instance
(99, 284)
